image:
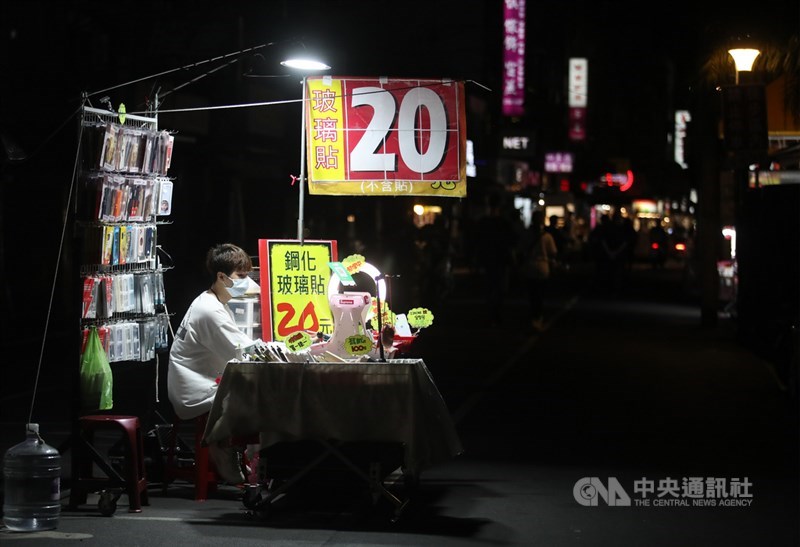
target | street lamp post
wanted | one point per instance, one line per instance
(708, 158)
(302, 189)
(305, 66)
(745, 137)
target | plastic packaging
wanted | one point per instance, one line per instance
(32, 484)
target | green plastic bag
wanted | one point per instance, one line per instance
(97, 382)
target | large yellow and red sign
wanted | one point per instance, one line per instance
(294, 286)
(385, 137)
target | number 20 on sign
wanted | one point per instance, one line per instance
(386, 136)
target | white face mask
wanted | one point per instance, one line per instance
(239, 287)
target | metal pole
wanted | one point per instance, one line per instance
(301, 199)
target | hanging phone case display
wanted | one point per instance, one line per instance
(125, 195)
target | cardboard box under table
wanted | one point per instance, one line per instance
(369, 418)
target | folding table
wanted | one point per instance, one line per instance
(334, 404)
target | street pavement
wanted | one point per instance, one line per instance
(624, 422)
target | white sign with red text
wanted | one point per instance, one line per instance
(578, 82)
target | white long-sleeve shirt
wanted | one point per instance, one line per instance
(204, 343)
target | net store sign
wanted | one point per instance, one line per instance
(517, 145)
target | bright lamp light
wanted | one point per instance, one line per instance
(744, 58)
(305, 64)
(370, 270)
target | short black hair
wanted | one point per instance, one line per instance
(227, 258)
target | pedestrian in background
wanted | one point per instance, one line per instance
(540, 251)
(608, 244)
(559, 237)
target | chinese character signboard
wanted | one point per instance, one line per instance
(558, 162)
(294, 286)
(514, 58)
(578, 98)
(577, 123)
(386, 137)
(578, 82)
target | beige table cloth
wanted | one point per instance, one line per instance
(395, 401)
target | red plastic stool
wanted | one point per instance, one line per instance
(133, 482)
(201, 472)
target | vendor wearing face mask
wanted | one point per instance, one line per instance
(204, 343)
